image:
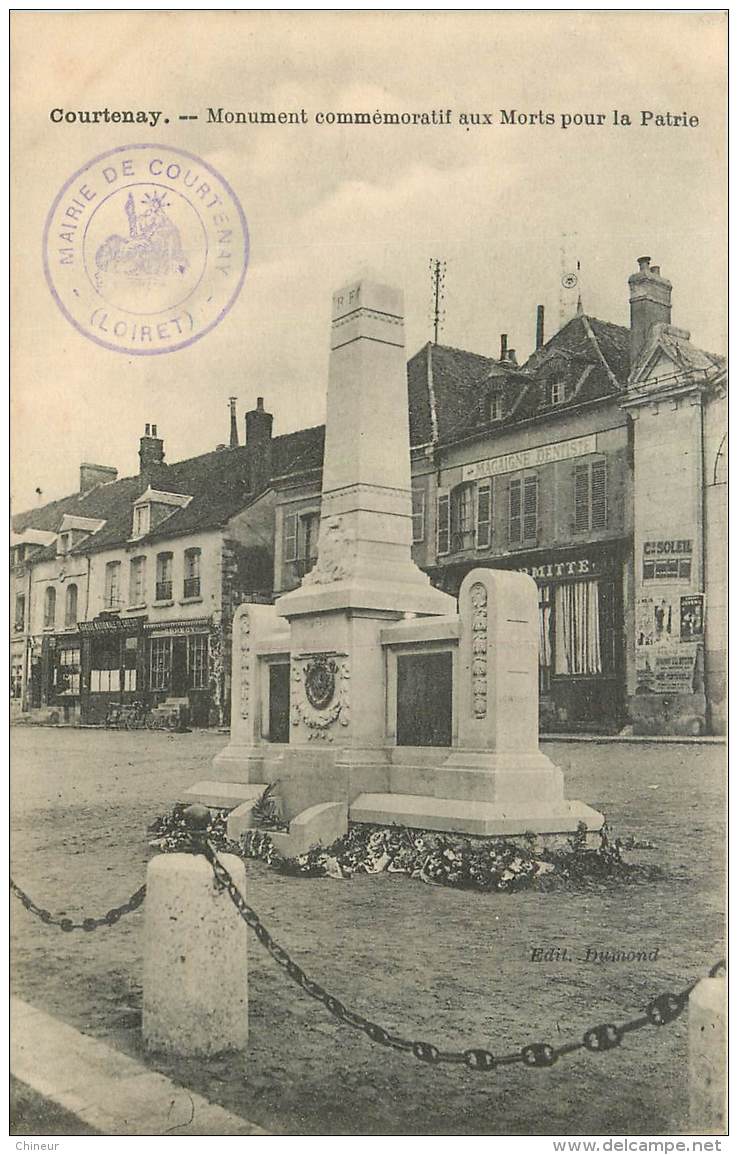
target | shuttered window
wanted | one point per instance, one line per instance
(418, 515)
(590, 496)
(484, 514)
(443, 526)
(599, 494)
(530, 508)
(290, 537)
(523, 523)
(515, 526)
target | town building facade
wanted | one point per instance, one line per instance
(677, 403)
(125, 591)
(598, 467)
(547, 468)
(535, 476)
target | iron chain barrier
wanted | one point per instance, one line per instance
(108, 919)
(663, 1009)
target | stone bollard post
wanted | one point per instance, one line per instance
(708, 1056)
(195, 992)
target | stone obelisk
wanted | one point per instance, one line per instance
(364, 553)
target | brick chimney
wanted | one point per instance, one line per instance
(650, 304)
(259, 447)
(150, 453)
(90, 476)
(233, 441)
(539, 327)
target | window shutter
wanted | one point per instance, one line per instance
(418, 515)
(290, 537)
(442, 532)
(581, 497)
(484, 514)
(516, 486)
(530, 509)
(599, 494)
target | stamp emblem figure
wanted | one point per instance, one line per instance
(145, 249)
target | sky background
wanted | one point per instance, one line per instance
(497, 203)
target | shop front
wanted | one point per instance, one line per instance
(64, 675)
(112, 670)
(179, 661)
(581, 632)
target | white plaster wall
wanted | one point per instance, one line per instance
(48, 573)
(668, 483)
(209, 601)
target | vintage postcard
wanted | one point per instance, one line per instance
(368, 574)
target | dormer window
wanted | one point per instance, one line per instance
(557, 392)
(495, 406)
(153, 507)
(141, 520)
(73, 530)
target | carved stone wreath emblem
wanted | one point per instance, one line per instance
(320, 682)
(320, 694)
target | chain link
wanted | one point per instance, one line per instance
(604, 1037)
(109, 919)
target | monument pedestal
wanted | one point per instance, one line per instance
(366, 620)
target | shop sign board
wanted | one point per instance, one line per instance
(111, 625)
(178, 629)
(531, 458)
(579, 567)
(667, 559)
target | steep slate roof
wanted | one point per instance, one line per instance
(591, 356)
(444, 391)
(449, 389)
(217, 483)
(299, 452)
(687, 358)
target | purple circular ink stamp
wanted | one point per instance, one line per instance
(145, 249)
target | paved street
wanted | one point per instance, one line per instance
(451, 967)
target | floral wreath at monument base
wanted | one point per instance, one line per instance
(440, 859)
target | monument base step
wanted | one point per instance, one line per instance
(482, 818)
(224, 795)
